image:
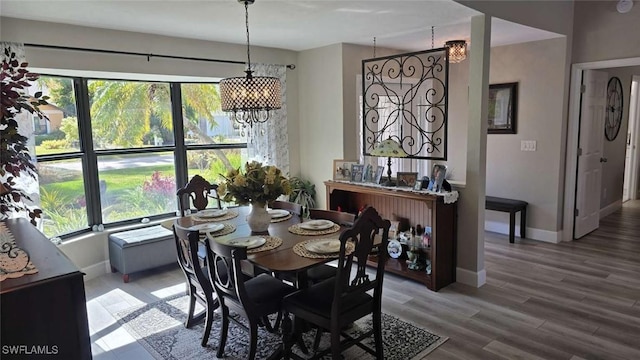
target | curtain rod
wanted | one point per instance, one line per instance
(148, 56)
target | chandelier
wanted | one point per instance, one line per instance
(250, 99)
(457, 50)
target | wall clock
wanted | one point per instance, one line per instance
(613, 115)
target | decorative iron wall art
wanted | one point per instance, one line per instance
(405, 99)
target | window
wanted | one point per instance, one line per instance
(113, 151)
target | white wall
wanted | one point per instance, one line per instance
(601, 33)
(535, 177)
(321, 115)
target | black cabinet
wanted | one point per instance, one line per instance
(43, 314)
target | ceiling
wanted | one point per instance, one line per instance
(287, 24)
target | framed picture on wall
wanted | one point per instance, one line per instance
(342, 169)
(503, 105)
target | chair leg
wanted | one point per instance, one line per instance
(253, 339)
(223, 331)
(377, 333)
(192, 306)
(316, 341)
(335, 344)
(287, 336)
(208, 324)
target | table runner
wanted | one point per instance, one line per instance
(14, 262)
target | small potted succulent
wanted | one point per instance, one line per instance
(16, 161)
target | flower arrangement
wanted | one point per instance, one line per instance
(259, 184)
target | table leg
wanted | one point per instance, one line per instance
(512, 226)
(523, 222)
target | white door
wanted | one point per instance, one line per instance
(590, 142)
(631, 155)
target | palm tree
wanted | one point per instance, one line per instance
(122, 112)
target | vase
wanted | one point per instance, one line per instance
(258, 219)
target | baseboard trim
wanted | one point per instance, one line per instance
(610, 209)
(95, 270)
(554, 237)
(468, 277)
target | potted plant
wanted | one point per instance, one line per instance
(303, 192)
(16, 161)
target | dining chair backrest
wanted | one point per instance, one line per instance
(227, 277)
(295, 209)
(338, 217)
(198, 190)
(187, 247)
(368, 225)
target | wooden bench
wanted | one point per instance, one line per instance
(512, 207)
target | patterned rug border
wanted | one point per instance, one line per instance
(126, 317)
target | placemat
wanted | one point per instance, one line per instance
(296, 229)
(300, 250)
(284, 218)
(228, 229)
(228, 216)
(14, 262)
(271, 243)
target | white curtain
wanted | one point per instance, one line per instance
(269, 142)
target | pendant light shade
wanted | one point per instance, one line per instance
(250, 99)
(457, 50)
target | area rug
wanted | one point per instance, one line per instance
(159, 328)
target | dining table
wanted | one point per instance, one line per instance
(283, 258)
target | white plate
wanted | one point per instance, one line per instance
(211, 213)
(394, 248)
(323, 246)
(209, 227)
(316, 225)
(249, 242)
(277, 213)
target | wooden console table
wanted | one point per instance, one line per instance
(420, 208)
(46, 312)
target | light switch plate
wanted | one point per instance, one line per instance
(528, 145)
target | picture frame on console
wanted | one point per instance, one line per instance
(342, 169)
(378, 175)
(407, 179)
(357, 172)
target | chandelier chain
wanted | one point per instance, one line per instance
(246, 18)
(374, 46)
(432, 36)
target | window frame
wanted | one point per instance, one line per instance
(89, 156)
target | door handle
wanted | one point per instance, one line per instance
(603, 160)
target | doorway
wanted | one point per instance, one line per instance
(630, 187)
(573, 131)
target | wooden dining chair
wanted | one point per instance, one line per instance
(323, 272)
(337, 302)
(295, 209)
(254, 298)
(198, 285)
(197, 192)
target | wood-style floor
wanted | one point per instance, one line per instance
(574, 300)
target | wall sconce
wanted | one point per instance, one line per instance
(457, 50)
